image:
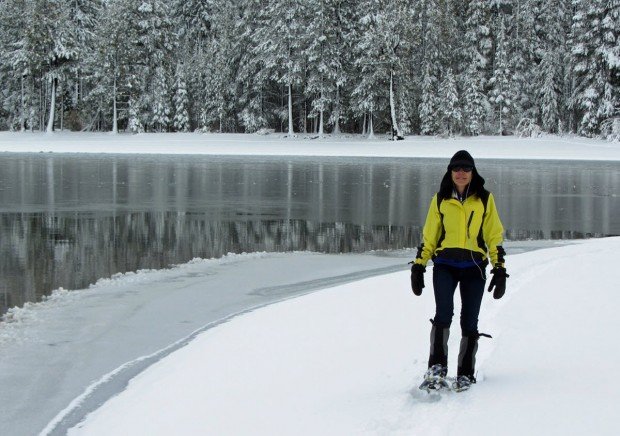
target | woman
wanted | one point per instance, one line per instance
(462, 232)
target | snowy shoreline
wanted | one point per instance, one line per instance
(227, 144)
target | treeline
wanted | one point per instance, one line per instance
(426, 67)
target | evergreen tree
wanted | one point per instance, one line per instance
(429, 107)
(257, 107)
(150, 90)
(477, 49)
(371, 81)
(518, 24)
(83, 19)
(450, 112)
(326, 55)
(550, 74)
(596, 62)
(436, 59)
(380, 54)
(181, 114)
(111, 65)
(278, 46)
(17, 69)
(475, 107)
(502, 96)
(160, 104)
(53, 48)
(220, 65)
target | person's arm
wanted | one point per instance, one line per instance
(493, 232)
(430, 234)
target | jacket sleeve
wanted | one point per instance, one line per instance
(430, 233)
(493, 232)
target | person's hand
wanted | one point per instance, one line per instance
(498, 282)
(417, 278)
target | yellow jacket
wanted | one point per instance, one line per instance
(460, 231)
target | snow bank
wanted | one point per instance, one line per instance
(347, 360)
(13, 322)
(545, 147)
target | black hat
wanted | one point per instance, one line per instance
(461, 158)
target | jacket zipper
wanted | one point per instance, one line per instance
(471, 216)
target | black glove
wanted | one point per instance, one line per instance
(498, 282)
(417, 278)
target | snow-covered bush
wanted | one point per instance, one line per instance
(265, 131)
(527, 128)
(610, 129)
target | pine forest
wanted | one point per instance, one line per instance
(423, 67)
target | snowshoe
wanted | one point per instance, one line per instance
(462, 383)
(435, 379)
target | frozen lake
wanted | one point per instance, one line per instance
(68, 220)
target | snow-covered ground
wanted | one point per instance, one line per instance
(79, 347)
(546, 147)
(347, 360)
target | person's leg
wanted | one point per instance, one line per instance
(444, 284)
(472, 290)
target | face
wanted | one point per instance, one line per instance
(461, 178)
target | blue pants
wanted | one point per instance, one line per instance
(445, 280)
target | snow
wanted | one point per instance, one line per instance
(487, 147)
(62, 357)
(348, 359)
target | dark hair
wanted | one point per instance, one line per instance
(476, 186)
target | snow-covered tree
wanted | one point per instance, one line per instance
(475, 105)
(150, 85)
(54, 42)
(429, 107)
(449, 105)
(181, 103)
(501, 96)
(550, 72)
(325, 49)
(380, 52)
(596, 62)
(160, 101)
(518, 24)
(111, 64)
(17, 69)
(477, 52)
(278, 46)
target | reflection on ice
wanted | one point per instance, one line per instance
(67, 221)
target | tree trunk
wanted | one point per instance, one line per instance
(392, 108)
(321, 117)
(371, 131)
(62, 111)
(22, 117)
(500, 120)
(290, 109)
(115, 111)
(364, 125)
(336, 130)
(50, 122)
